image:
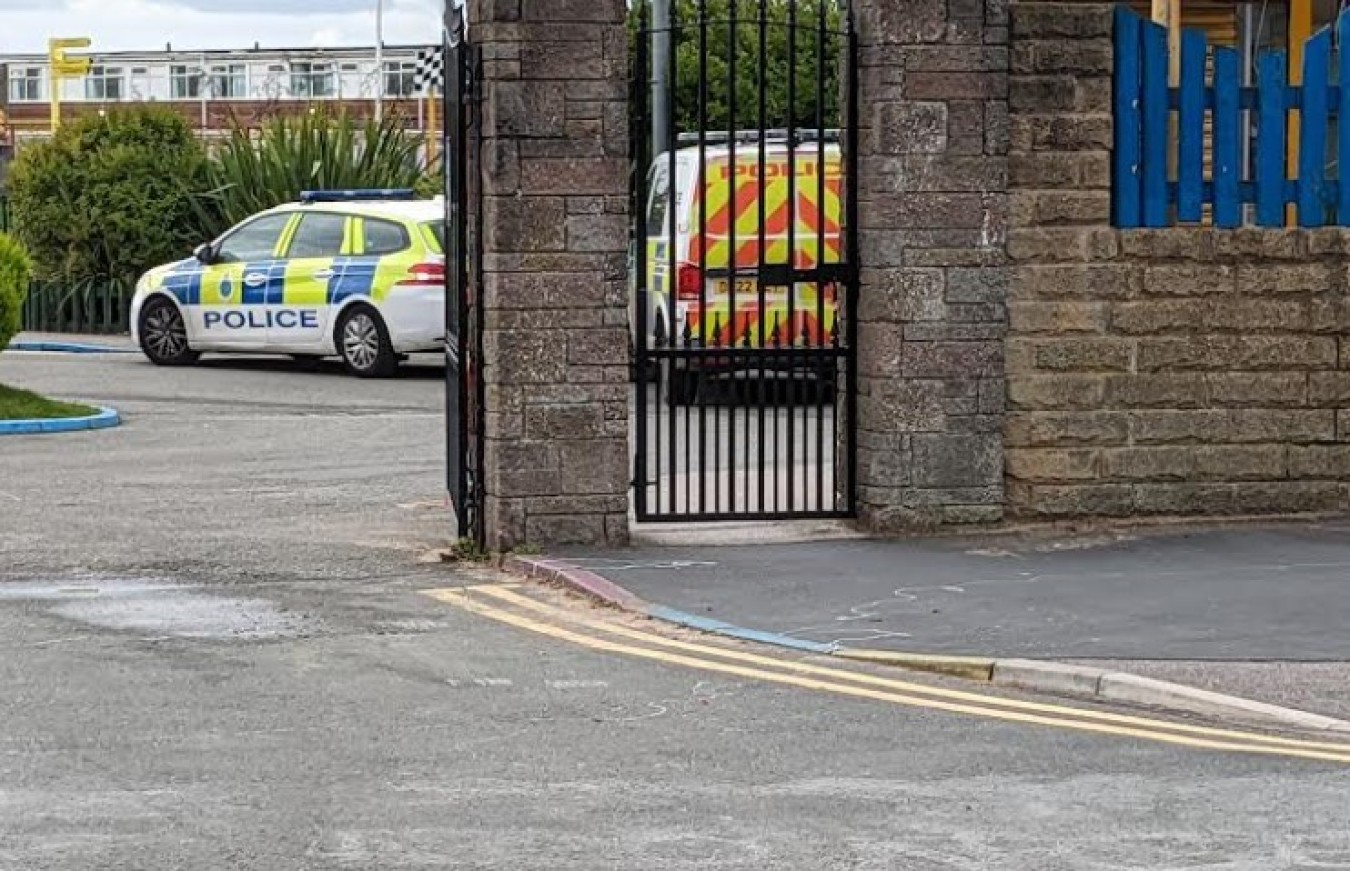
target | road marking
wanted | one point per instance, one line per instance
(905, 686)
(577, 684)
(1166, 733)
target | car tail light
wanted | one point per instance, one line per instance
(429, 274)
(688, 282)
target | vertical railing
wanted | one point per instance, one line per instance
(1145, 193)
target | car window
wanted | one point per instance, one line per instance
(437, 229)
(320, 235)
(656, 207)
(256, 240)
(384, 237)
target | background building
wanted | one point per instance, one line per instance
(212, 87)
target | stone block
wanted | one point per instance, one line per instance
(1328, 241)
(943, 460)
(1057, 317)
(524, 109)
(885, 469)
(924, 211)
(1329, 388)
(1077, 57)
(891, 24)
(965, 127)
(525, 223)
(976, 285)
(597, 233)
(1197, 244)
(1039, 94)
(565, 422)
(954, 58)
(1196, 463)
(1320, 461)
(1210, 352)
(880, 349)
(573, 176)
(1085, 500)
(922, 173)
(1060, 208)
(896, 405)
(564, 61)
(1066, 20)
(1062, 245)
(1083, 354)
(1288, 497)
(1095, 281)
(1190, 280)
(1261, 243)
(566, 529)
(1066, 428)
(598, 466)
(569, 291)
(1300, 278)
(1056, 392)
(598, 347)
(1165, 390)
(1245, 315)
(910, 128)
(1049, 466)
(945, 331)
(1236, 426)
(1197, 498)
(952, 359)
(897, 295)
(1259, 389)
(523, 357)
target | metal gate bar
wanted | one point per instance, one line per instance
(745, 274)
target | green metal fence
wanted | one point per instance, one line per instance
(97, 309)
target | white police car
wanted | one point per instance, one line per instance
(356, 274)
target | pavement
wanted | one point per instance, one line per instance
(1272, 594)
(218, 650)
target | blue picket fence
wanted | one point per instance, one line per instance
(1145, 193)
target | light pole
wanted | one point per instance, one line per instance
(379, 60)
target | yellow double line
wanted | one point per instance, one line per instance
(502, 604)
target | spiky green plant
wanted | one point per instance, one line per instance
(315, 151)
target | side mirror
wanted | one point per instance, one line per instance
(204, 254)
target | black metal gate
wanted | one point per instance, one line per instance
(744, 273)
(463, 327)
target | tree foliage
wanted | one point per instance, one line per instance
(15, 272)
(109, 195)
(798, 55)
(317, 151)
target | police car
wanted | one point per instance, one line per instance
(356, 274)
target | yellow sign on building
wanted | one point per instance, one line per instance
(65, 66)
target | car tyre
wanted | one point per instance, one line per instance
(163, 334)
(364, 345)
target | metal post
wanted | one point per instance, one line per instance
(661, 37)
(1247, 51)
(379, 60)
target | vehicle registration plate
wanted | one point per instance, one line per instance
(744, 287)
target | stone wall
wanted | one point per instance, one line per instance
(933, 126)
(552, 181)
(1175, 371)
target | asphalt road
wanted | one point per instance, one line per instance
(216, 653)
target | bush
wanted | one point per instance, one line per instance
(109, 196)
(15, 272)
(315, 151)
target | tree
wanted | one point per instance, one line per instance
(15, 271)
(109, 196)
(794, 46)
(315, 151)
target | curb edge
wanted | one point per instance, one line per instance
(1037, 675)
(106, 418)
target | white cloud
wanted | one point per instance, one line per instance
(120, 25)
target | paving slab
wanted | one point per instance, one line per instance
(1278, 592)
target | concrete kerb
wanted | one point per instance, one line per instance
(105, 418)
(1035, 675)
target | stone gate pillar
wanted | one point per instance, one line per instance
(933, 175)
(550, 188)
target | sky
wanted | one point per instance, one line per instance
(119, 25)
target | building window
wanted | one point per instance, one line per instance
(104, 84)
(185, 83)
(400, 79)
(312, 80)
(229, 81)
(25, 84)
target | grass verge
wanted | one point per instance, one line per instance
(18, 404)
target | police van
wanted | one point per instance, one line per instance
(725, 195)
(355, 274)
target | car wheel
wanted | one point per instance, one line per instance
(163, 334)
(364, 344)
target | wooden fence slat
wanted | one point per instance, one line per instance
(1343, 121)
(1312, 157)
(1227, 139)
(1191, 139)
(1125, 179)
(1271, 127)
(1156, 114)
